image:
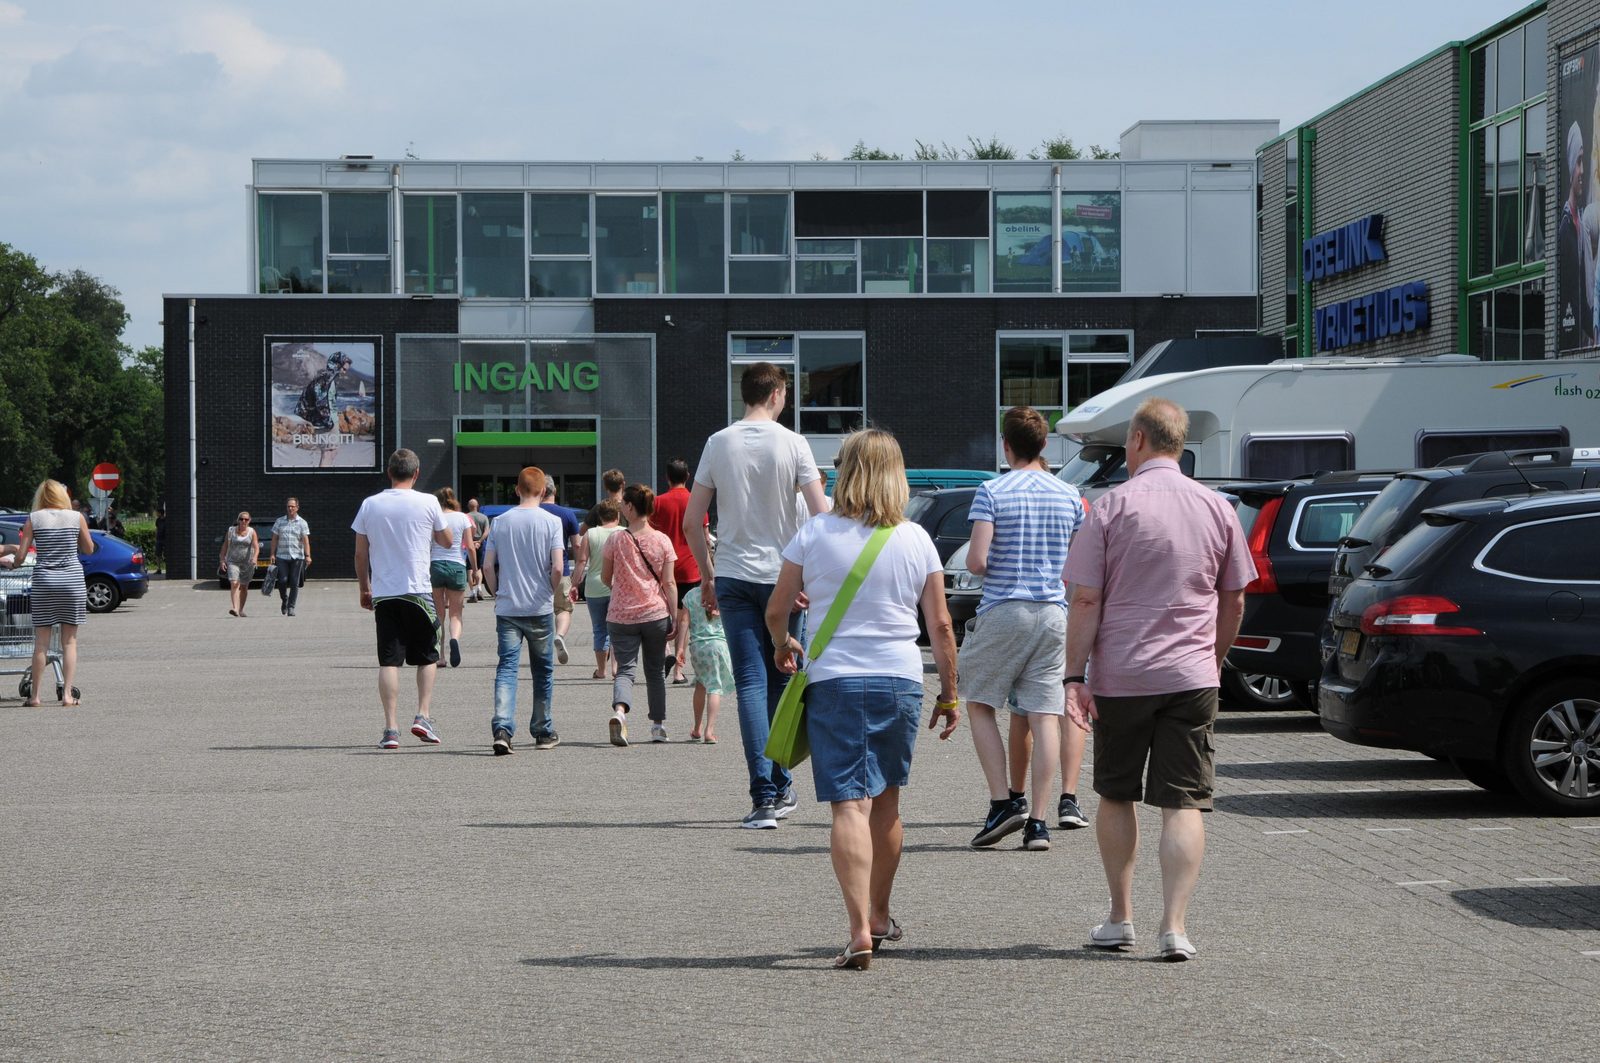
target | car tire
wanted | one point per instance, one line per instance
(1551, 749)
(103, 594)
(1259, 693)
(1485, 774)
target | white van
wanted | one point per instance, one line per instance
(1299, 416)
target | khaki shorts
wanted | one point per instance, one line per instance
(564, 595)
(1174, 732)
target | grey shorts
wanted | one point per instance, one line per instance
(1016, 648)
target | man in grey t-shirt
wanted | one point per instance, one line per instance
(522, 569)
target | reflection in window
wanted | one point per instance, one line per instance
(430, 244)
(964, 213)
(1088, 379)
(693, 260)
(830, 384)
(1091, 242)
(1507, 324)
(825, 214)
(891, 265)
(1291, 457)
(825, 276)
(958, 265)
(1030, 372)
(492, 245)
(558, 278)
(1022, 242)
(1533, 178)
(1560, 551)
(627, 244)
(759, 223)
(756, 276)
(736, 371)
(358, 276)
(558, 223)
(358, 223)
(1100, 343)
(289, 242)
(1508, 186)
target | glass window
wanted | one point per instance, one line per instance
(289, 242)
(558, 223)
(358, 276)
(1508, 184)
(755, 276)
(558, 278)
(958, 265)
(358, 223)
(1100, 343)
(1091, 242)
(1507, 323)
(1324, 521)
(736, 372)
(1291, 245)
(891, 266)
(1561, 551)
(492, 251)
(1023, 238)
(830, 387)
(627, 244)
(1482, 152)
(759, 223)
(430, 243)
(1030, 372)
(1509, 88)
(824, 247)
(1534, 58)
(1289, 457)
(693, 262)
(825, 214)
(1087, 379)
(1533, 178)
(1435, 448)
(1533, 320)
(1482, 83)
(825, 276)
(958, 214)
(764, 348)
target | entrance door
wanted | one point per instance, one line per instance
(488, 464)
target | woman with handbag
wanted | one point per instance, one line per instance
(637, 566)
(866, 570)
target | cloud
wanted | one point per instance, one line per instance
(112, 64)
(254, 59)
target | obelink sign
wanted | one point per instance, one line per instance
(1366, 318)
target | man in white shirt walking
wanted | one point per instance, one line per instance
(290, 554)
(393, 531)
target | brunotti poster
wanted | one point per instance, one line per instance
(1578, 209)
(322, 403)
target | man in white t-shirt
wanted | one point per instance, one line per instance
(394, 529)
(752, 469)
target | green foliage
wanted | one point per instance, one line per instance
(71, 394)
(862, 153)
(992, 149)
(931, 152)
(1056, 147)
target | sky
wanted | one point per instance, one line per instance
(127, 130)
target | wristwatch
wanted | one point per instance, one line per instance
(1082, 680)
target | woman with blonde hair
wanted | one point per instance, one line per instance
(240, 548)
(58, 534)
(864, 698)
(448, 574)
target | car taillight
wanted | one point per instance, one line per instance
(1266, 582)
(1413, 614)
(138, 558)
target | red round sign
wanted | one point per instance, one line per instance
(106, 476)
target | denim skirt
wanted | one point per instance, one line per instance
(862, 730)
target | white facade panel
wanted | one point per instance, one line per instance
(339, 175)
(551, 317)
(890, 175)
(758, 177)
(560, 175)
(1155, 176)
(975, 175)
(491, 175)
(842, 176)
(1022, 176)
(480, 317)
(1237, 176)
(428, 175)
(1154, 242)
(288, 174)
(625, 176)
(1222, 242)
(692, 176)
(1099, 177)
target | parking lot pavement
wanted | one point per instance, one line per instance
(211, 858)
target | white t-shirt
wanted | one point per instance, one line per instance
(458, 523)
(399, 524)
(878, 635)
(755, 467)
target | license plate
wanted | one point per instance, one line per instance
(1350, 644)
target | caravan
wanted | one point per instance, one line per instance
(1299, 416)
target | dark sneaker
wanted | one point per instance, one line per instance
(787, 803)
(502, 743)
(284, 608)
(547, 741)
(1035, 836)
(1003, 819)
(455, 653)
(761, 817)
(1069, 816)
(291, 610)
(390, 740)
(423, 728)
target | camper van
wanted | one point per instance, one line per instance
(1299, 416)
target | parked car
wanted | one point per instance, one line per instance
(112, 574)
(928, 479)
(962, 590)
(943, 514)
(1476, 637)
(1293, 528)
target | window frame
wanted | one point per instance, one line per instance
(455, 200)
(1480, 562)
(1489, 124)
(790, 362)
(1291, 437)
(531, 256)
(1063, 339)
(1312, 500)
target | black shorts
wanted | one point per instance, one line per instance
(408, 633)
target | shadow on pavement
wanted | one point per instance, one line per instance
(1342, 770)
(809, 959)
(671, 824)
(1267, 723)
(1391, 804)
(823, 850)
(1543, 907)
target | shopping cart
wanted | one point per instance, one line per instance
(16, 633)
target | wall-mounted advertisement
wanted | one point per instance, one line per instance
(1022, 242)
(1091, 241)
(1578, 187)
(323, 403)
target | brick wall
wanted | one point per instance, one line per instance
(1274, 238)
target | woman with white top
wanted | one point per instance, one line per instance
(864, 698)
(448, 575)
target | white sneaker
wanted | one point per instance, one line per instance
(619, 730)
(1175, 948)
(658, 732)
(1109, 935)
(561, 650)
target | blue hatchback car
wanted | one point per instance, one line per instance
(113, 573)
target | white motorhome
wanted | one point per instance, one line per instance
(1298, 416)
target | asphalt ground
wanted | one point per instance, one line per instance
(210, 859)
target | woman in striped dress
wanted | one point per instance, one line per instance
(59, 534)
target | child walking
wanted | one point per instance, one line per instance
(713, 668)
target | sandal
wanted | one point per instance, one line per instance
(848, 960)
(891, 936)
(597, 675)
(710, 740)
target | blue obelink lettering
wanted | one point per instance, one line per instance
(1351, 246)
(1375, 316)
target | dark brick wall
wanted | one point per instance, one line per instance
(930, 361)
(231, 413)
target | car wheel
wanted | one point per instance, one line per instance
(1552, 748)
(1484, 773)
(103, 595)
(1258, 693)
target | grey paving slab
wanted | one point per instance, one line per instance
(210, 859)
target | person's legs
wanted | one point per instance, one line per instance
(457, 601)
(991, 750)
(1019, 751)
(1046, 729)
(625, 642)
(441, 610)
(1073, 742)
(653, 637)
(295, 572)
(41, 660)
(680, 644)
(888, 835)
(699, 709)
(69, 662)
(1183, 847)
(743, 606)
(425, 677)
(713, 703)
(234, 602)
(1116, 829)
(540, 632)
(244, 591)
(851, 846)
(389, 695)
(508, 636)
(600, 636)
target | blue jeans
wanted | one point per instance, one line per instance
(756, 679)
(511, 631)
(597, 623)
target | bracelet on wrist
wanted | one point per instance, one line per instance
(954, 703)
(1081, 680)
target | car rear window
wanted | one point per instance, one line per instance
(1377, 521)
(1555, 551)
(954, 524)
(1324, 521)
(1415, 549)
(918, 505)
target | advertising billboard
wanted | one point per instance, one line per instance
(1578, 192)
(323, 403)
(1091, 241)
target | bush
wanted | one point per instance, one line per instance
(142, 534)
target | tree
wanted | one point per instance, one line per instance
(930, 152)
(862, 153)
(993, 149)
(1059, 146)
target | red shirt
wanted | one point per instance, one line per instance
(667, 518)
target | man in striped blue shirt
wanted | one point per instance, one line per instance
(1015, 649)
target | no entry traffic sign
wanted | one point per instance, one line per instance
(106, 476)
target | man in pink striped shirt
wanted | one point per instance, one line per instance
(1158, 573)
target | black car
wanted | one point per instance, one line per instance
(1476, 637)
(1293, 528)
(943, 515)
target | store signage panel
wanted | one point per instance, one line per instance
(507, 376)
(1375, 316)
(1351, 246)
